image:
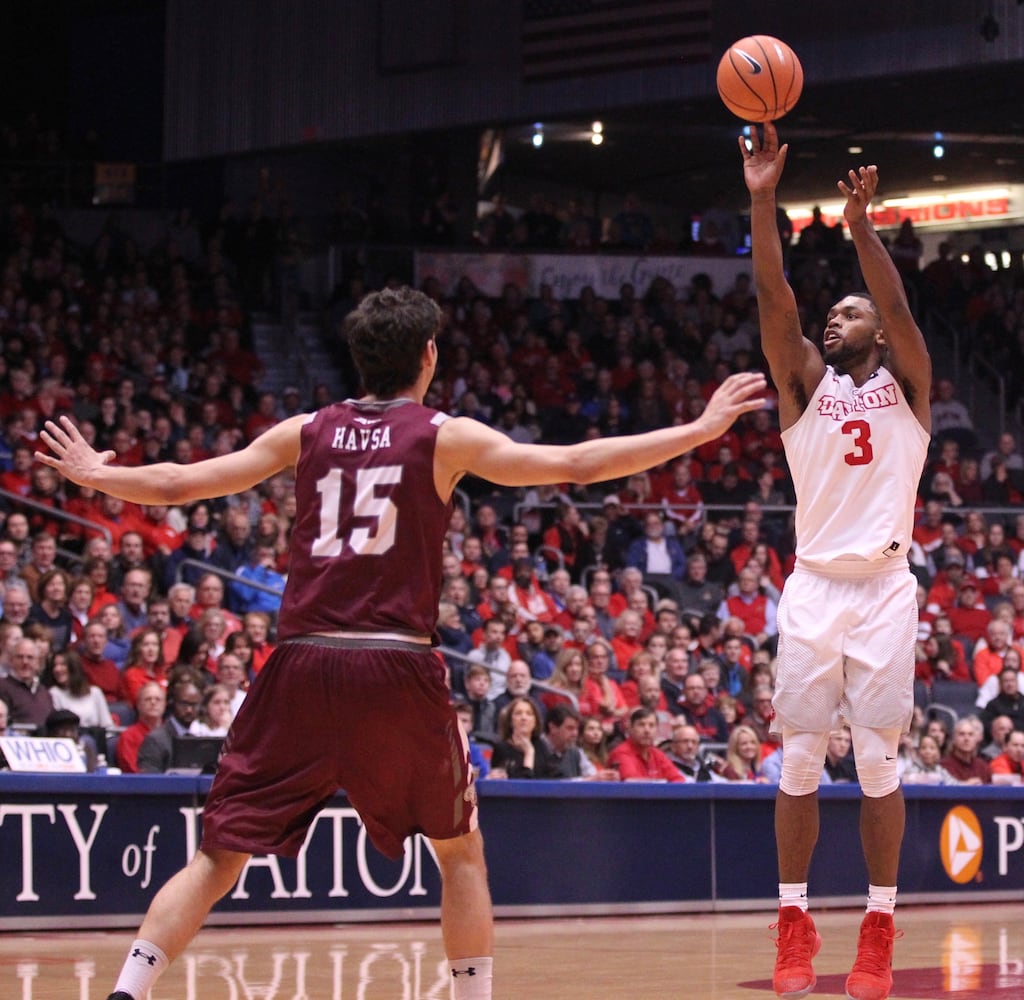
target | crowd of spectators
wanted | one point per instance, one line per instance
(617, 620)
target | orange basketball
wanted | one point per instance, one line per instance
(759, 78)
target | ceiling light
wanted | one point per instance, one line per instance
(538, 135)
(855, 150)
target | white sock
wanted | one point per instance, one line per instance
(882, 899)
(471, 978)
(793, 894)
(142, 968)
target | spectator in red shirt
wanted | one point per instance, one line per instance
(569, 535)
(45, 490)
(531, 602)
(1016, 542)
(946, 583)
(158, 531)
(210, 596)
(20, 396)
(742, 755)
(949, 454)
(257, 627)
(117, 517)
(989, 655)
(684, 505)
(158, 617)
(150, 703)
(550, 388)
(145, 662)
(628, 638)
(641, 665)
(975, 532)
(263, 417)
(18, 479)
(637, 758)
(100, 671)
(756, 610)
(744, 550)
(941, 658)
(472, 555)
(243, 365)
(1011, 760)
(575, 601)
(127, 449)
(761, 436)
(969, 617)
(1000, 577)
(928, 533)
(602, 697)
(1017, 600)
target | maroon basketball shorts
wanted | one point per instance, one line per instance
(374, 720)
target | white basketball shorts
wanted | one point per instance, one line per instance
(846, 650)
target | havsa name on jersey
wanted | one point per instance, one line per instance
(361, 438)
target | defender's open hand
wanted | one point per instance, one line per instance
(72, 456)
(737, 395)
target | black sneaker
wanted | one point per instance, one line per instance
(120, 995)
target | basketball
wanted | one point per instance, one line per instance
(759, 78)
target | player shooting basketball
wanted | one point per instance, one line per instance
(856, 427)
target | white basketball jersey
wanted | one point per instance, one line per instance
(856, 456)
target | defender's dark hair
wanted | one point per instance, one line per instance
(387, 333)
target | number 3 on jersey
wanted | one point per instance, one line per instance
(365, 504)
(862, 452)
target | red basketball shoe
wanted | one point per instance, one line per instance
(871, 977)
(798, 942)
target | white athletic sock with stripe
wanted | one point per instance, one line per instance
(471, 978)
(793, 894)
(142, 968)
(882, 899)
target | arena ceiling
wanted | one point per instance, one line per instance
(684, 152)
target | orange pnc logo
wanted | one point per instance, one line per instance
(961, 844)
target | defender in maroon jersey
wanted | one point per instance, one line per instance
(355, 673)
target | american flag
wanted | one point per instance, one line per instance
(564, 38)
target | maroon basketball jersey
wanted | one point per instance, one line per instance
(365, 550)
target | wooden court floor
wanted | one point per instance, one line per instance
(966, 952)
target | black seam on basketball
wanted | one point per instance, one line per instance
(743, 80)
(770, 66)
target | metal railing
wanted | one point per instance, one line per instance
(17, 500)
(448, 653)
(597, 506)
(987, 510)
(226, 574)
